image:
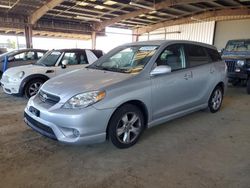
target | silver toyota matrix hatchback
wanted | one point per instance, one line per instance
(133, 87)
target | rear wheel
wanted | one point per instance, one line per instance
(215, 100)
(32, 87)
(126, 126)
(248, 86)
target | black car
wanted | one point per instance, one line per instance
(21, 57)
(237, 57)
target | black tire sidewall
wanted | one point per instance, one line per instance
(27, 86)
(116, 117)
(248, 86)
(210, 105)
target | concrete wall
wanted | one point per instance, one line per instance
(200, 31)
(226, 30)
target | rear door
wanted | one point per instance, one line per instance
(203, 69)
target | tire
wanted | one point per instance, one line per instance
(32, 87)
(248, 86)
(215, 100)
(126, 126)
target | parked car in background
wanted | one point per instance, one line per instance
(28, 79)
(21, 57)
(237, 57)
(133, 87)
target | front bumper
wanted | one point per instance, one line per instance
(237, 75)
(10, 87)
(60, 124)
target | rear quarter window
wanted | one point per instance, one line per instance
(214, 54)
(196, 55)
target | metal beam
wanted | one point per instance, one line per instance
(206, 16)
(93, 39)
(28, 36)
(43, 10)
(157, 6)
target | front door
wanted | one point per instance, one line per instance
(172, 92)
(76, 60)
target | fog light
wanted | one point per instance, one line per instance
(237, 70)
(76, 133)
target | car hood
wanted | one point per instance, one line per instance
(236, 55)
(82, 80)
(26, 68)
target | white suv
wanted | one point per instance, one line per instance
(26, 80)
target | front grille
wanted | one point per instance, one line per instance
(231, 65)
(248, 62)
(48, 98)
(39, 127)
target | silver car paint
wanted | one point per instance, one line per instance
(165, 97)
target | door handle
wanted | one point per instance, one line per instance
(188, 75)
(212, 70)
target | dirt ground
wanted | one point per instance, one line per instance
(198, 150)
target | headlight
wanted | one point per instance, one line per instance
(17, 77)
(240, 63)
(21, 74)
(84, 100)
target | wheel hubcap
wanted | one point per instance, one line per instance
(33, 89)
(217, 99)
(128, 128)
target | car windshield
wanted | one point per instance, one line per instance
(127, 60)
(50, 58)
(238, 45)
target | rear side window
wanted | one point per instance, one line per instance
(196, 55)
(214, 54)
(98, 53)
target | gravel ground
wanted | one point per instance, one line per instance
(198, 150)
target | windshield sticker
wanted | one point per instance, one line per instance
(148, 48)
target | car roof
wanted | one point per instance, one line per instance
(72, 49)
(162, 42)
(28, 49)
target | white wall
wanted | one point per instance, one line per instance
(200, 31)
(234, 29)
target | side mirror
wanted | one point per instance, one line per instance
(11, 58)
(162, 69)
(64, 63)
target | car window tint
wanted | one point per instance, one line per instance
(196, 55)
(214, 54)
(172, 56)
(71, 57)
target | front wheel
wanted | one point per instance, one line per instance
(33, 87)
(248, 86)
(126, 126)
(215, 100)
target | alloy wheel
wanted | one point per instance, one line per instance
(128, 128)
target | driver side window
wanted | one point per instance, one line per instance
(172, 56)
(71, 57)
